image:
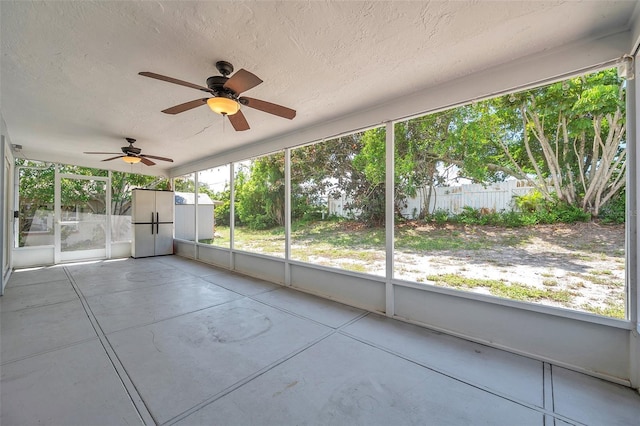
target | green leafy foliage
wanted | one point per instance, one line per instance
(543, 212)
(566, 138)
(222, 212)
(531, 202)
(122, 184)
(260, 198)
(549, 210)
(614, 211)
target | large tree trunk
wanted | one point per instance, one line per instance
(600, 164)
(606, 174)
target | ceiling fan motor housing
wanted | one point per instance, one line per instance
(216, 84)
(127, 150)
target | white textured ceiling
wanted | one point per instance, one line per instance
(69, 70)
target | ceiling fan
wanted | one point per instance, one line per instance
(226, 98)
(133, 155)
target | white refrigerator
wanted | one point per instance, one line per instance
(152, 222)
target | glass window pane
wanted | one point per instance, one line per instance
(185, 208)
(259, 205)
(519, 197)
(35, 206)
(83, 214)
(338, 202)
(214, 206)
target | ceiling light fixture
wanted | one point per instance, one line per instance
(222, 105)
(131, 159)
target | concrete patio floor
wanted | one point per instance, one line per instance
(167, 340)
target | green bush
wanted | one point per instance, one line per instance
(222, 213)
(261, 222)
(468, 216)
(567, 213)
(439, 216)
(531, 202)
(536, 209)
(614, 212)
(513, 219)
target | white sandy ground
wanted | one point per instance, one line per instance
(585, 259)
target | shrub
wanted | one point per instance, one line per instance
(538, 210)
(534, 210)
(567, 213)
(531, 202)
(439, 216)
(261, 222)
(513, 219)
(614, 212)
(223, 213)
(469, 216)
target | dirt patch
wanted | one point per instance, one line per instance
(578, 266)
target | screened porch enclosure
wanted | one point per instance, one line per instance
(446, 231)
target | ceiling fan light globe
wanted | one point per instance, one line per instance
(222, 105)
(131, 159)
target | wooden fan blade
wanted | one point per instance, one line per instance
(175, 81)
(265, 106)
(112, 153)
(238, 121)
(157, 158)
(146, 161)
(185, 106)
(113, 158)
(241, 81)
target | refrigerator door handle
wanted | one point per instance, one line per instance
(151, 223)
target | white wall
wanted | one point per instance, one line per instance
(26, 257)
(6, 204)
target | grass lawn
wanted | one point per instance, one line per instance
(574, 266)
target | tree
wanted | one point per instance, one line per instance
(222, 212)
(348, 165)
(36, 200)
(367, 183)
(184, 183)
(260, 199)
(123, 183)
(567, 139)
(582, 140)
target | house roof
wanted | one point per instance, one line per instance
(70, 83)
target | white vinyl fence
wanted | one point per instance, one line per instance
(495, 197)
